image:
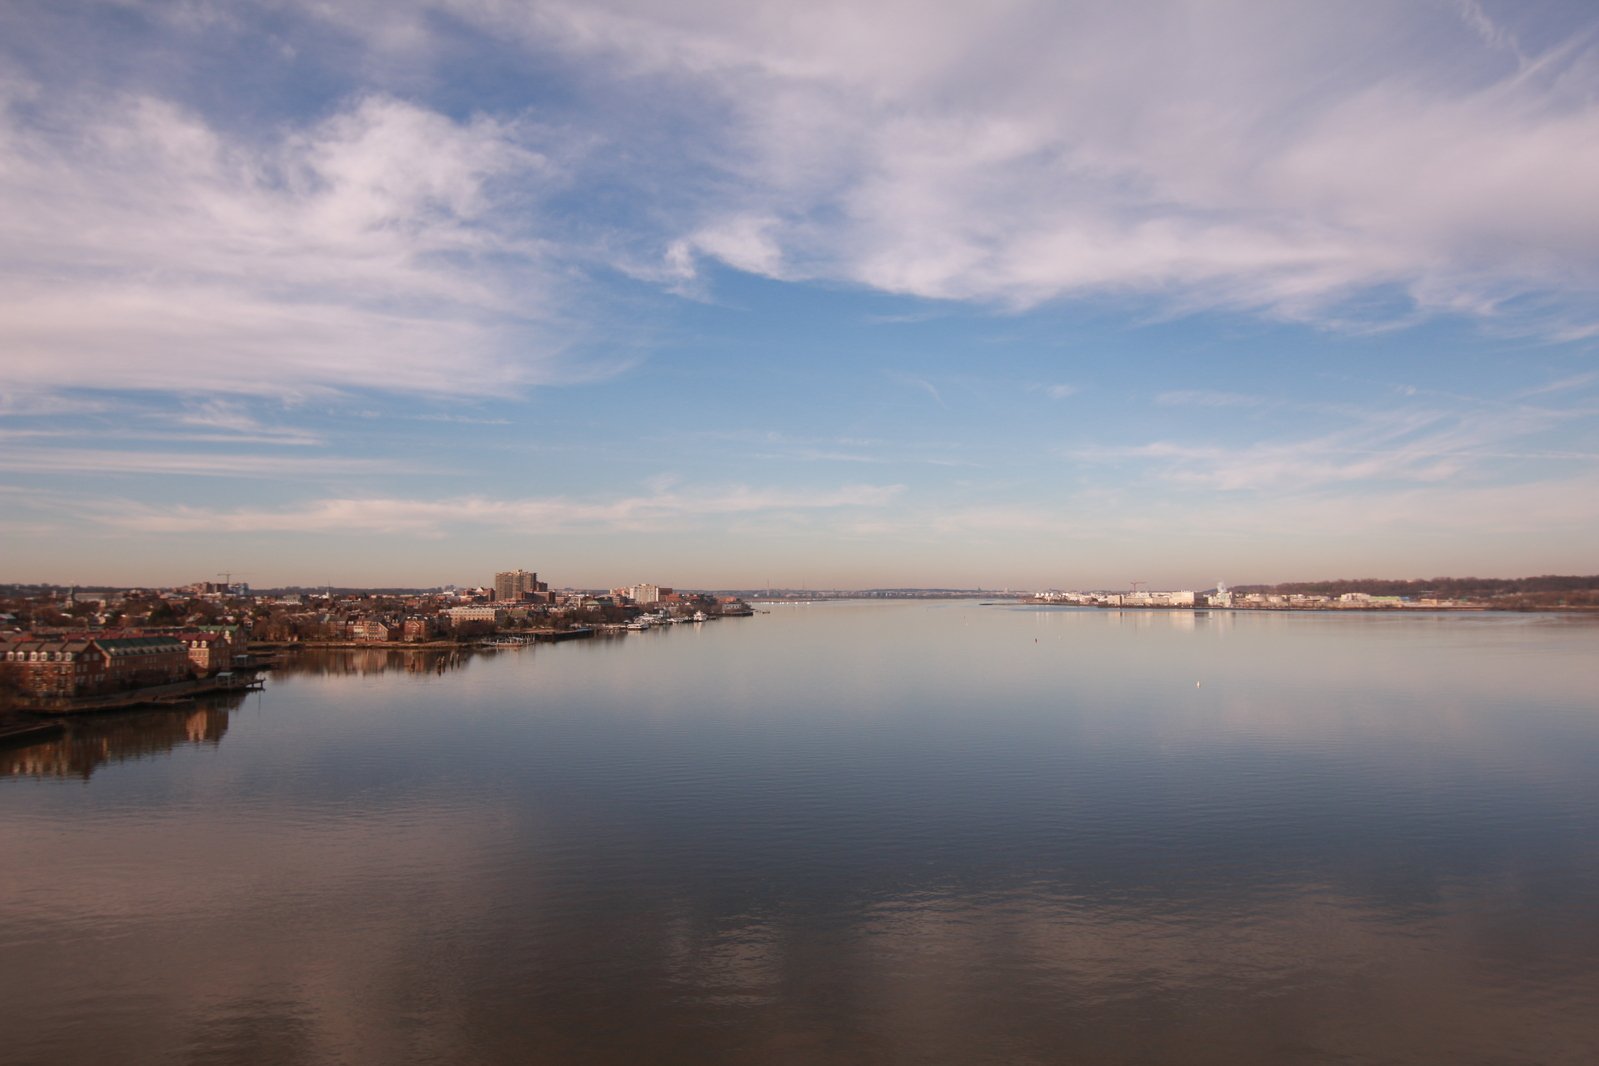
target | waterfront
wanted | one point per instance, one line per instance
(838, 833)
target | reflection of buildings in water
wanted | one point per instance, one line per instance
(351, 662)
(200, 727)
(91, 742)
(1179, 618)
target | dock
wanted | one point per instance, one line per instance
(150, 696)
(24, 731)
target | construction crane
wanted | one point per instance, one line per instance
(227, 580)
(1136, 584)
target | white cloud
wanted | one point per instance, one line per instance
(1289, 158)
(1284, 157)
(33, 403)
(144, 249)
(743, 242)
(1375, 448)
(923, 384)
(232, 422)
(1177, 530)
(197, 462)
(1492, 34)
(546, 515)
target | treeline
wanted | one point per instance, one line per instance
(1547, 590)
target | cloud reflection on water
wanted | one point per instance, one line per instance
(854, 833)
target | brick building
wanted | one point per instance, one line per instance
(82, 666)
(373, 631)
(513, 585)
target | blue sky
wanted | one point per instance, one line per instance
(839, 295)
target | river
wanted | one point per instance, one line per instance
(929, 832)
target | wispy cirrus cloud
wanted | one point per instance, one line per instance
(1172, 532)
(433, 517)
(921, 384)
(1294, 160)
(203, 462)
(798, 448)
(1568, 384)
(821, 455)
(1407, 445)
(44, 403)
(1288, 159)
(232, 421)
(257, 207)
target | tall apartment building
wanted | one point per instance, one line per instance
(512, 584)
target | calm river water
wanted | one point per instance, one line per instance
(842, 833)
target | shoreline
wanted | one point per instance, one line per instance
(150, 696)
(1306, 608)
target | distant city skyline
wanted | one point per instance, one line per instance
(718, 295)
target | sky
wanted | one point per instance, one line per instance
(721, 294)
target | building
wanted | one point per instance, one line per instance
(210, 650)
(644, 593)
(517, 585)
(373, 631)
(64, 667)
(418, 628)
(147, 660)
(476, 613)
(81, 666)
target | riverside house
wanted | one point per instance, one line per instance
(86, 666)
